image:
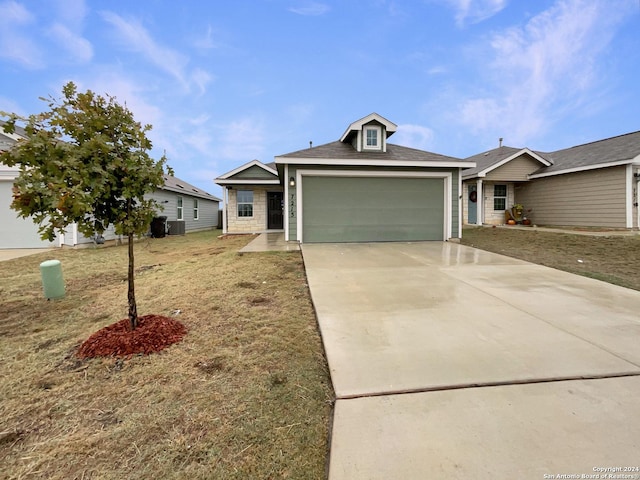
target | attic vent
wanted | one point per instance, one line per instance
(178, 185)
(193, 189)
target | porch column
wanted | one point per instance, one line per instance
(479, 202)
(225, 202)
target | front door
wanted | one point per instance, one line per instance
(274, 211)
(473, 204)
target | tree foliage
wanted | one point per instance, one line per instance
(85, 160)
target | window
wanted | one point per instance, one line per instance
(196, 210)
(179, 208)
(245, 203)
(372, 138)
(499, 197)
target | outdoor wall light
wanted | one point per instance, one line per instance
(292, 182)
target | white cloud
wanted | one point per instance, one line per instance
(206, 41)
(414, 136)
(135, 37)
(126, 91)
(71, 13)
(475, 11)
(242, 139)
(539, 70)
(201, 79)
(79, 47)
(15, 44)
(311, 9)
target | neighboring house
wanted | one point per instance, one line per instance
(186, 207)
(358, 189)
(595, 184)
(15, 232)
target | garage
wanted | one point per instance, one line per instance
(372, 208)
(16, 232)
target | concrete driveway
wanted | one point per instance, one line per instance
(450, 361)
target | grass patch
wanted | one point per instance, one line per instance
(613, 259)
(246, 394)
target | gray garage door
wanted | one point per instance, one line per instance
(16, 232)
(372, 209)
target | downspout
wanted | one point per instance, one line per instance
(479, 203)
(629, 197)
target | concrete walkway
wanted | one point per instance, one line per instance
(11, 253)
(270, 242)
(451, 362)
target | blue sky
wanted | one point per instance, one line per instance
(226, 82)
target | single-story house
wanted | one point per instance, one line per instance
(186, 207)
(595, 184)
(359, 188)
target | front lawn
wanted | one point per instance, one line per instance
(246, 394)
(613, 258)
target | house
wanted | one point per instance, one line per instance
(186, 207)
(15, 232)
(595, 184)
(359, 188)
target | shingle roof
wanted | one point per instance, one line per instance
(615, 149)
(174, 184)
(344, 151)
(610, 150)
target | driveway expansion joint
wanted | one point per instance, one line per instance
(467, 386)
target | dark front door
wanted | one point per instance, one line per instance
(274, 211)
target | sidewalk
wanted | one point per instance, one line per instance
(11, 253)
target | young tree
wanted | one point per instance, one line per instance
(85, 161)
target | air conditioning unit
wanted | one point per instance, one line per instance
(175, 227)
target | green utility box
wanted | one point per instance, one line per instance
(52, 281)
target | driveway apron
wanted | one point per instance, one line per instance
(447, 360)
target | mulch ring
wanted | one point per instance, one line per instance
(154, 333)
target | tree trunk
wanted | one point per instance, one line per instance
(133, 309)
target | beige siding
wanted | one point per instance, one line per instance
(591, 198)
(517, 170)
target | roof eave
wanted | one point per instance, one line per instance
(374, 163)
(584, 168)
(247, 165)
(223, 181)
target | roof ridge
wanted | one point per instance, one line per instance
(596, 141)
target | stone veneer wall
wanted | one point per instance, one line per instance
(257, 223)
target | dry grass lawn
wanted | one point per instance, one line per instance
(245, 395)
(613, 259)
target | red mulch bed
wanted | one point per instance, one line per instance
(154, 333)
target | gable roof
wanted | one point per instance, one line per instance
(356, 126)
(339, 153)
(235, 176)
(174, 184)
(620, 150)
(488, 161)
